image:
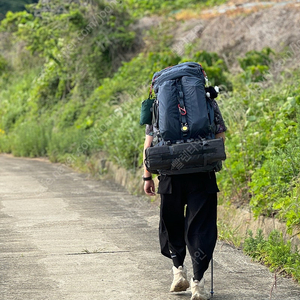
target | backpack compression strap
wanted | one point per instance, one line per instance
(182, 110)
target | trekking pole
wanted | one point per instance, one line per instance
(212, 277)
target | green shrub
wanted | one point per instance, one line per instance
(16, 5)
(3, 65)
(277, 254)
(256, 64)
(5, 144)
(255, 58)
(78, 52)
(263, 154)
(124, 137)
(213, 65)
(275, 185)
(71, 141)
(12, 21)
(31, 139)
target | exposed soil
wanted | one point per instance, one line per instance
(233, 29)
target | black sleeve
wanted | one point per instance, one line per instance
(219, 121)
(149, 130)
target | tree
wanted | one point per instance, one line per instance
(16, 5)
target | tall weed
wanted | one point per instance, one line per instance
(31, 139)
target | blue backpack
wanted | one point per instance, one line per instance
(182, 111)
(183, 119)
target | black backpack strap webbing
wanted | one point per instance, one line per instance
(155, 114)
(182, 110)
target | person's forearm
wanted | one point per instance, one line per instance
(146, 173)
(147, 144)
(221, 135)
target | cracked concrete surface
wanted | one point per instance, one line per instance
(64, 236)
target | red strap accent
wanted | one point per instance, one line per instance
(204, 73)
(151, 86)
(182, 110)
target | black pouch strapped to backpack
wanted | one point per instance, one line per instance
(146, 111)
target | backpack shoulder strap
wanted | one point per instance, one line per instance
(211, 116)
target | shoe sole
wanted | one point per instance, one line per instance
(181, 286)
(200, 297)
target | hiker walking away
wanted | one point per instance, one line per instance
(188, 216)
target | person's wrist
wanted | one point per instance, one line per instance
(147, 178)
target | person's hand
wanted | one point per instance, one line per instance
(149, 187)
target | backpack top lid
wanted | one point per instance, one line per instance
(180, 70)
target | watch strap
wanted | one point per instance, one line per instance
(147, 178)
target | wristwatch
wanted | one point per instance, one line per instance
(147, 178)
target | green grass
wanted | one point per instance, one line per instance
(229, 235)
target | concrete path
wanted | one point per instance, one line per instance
(64, 236)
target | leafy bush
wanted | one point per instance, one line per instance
(14, 99)
(263, 158)
(215, 68)
(71, 141)
(275, 185)
(277, 254)
(3, 65)
(255, 58)
(31, 139)
(79, 51)
(256, 64)
(16, 5)
(13, 20)
(124, 137)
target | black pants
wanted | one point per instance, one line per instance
(188, 217)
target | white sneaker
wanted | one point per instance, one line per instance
(180, 282)
(198, 291)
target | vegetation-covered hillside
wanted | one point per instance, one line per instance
(73, 75)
